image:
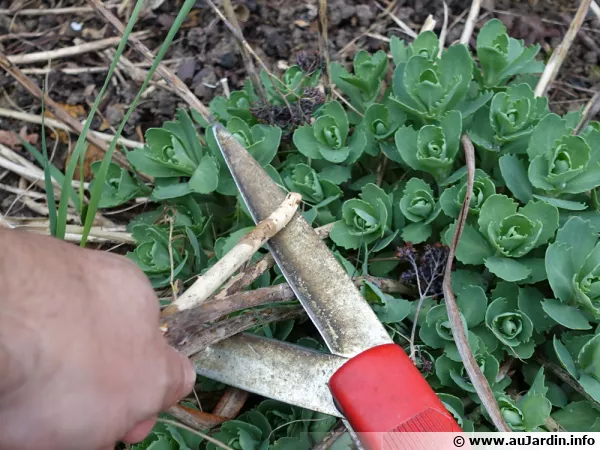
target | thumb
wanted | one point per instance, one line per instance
(180, 376)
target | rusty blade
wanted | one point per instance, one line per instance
(273, 369)
(336, 307)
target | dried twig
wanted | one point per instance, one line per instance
(324, 45)
(53, 123)
(251, 273)
(65, 52)
(11, 160)
(58, 111)
(595, 9)
(49, 11)
(470, 23)
(387, 11)
(591, 109)
(168, 75)
(231, 402)
(248, 63)
(80, 70)
(332, 435)
(198, 420)
(444, 31)
(221, 330)
(186, 322)
(428, 25)
(477, 378)
(560, 53)
(386, 285)
(206, 284)
(97, 234)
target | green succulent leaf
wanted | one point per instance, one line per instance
(568, 316)
(573, 265)
(536, 409)
(530, 301)
(512, 415)
(205, 178)
(426, 44)
(515, 176)
(314, 190)
(589, 357)
(364, 84)
(473, 247)
(507, 269)
(119, 187)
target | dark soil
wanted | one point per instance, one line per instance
(205, 51)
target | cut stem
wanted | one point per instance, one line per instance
(206, 284)
(561, 52)
(470, 23)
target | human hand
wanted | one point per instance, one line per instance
(82, 361)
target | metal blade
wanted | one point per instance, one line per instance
(273, 369)
(336, 307)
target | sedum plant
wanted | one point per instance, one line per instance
(385, 170)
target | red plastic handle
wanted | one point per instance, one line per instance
(381, 391)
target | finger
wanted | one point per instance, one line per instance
(180, 377)
(140, 431)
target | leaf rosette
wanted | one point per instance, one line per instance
(426, 45)
(561, 163)
(237, 105)
(511, 326)
(452, 198)
(363, 220)
(291, 85)
(363, 85)
(432, 149)
(514, 113)
(381, 121)
(328, 139)
(502, 57)
(315, 191)
(419, 206)
(514, 231)
(426, 89)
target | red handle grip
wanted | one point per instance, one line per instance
(381, 391)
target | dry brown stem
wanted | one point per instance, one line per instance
(560, 53)
(477, 378)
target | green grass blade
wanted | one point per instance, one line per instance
(100, 177)
(55, 172)
(47, 176)
(80, 146)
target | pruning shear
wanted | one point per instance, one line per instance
(367, 379)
